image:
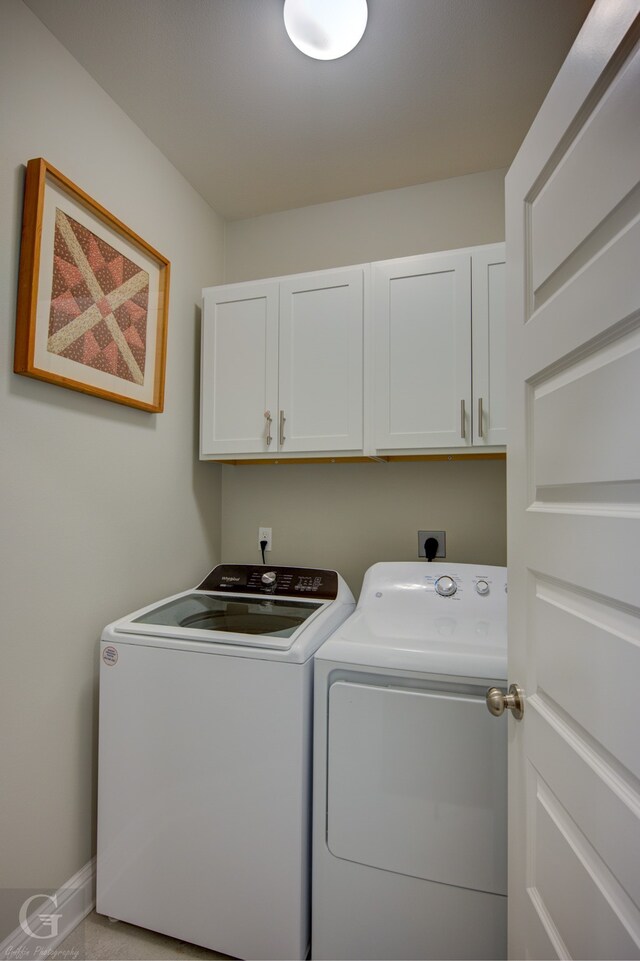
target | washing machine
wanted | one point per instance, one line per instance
(204, 783)
(410, 789)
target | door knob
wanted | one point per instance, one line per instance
(498, 702)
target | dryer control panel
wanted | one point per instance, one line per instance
(304, 582)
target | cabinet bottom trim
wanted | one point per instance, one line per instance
(384, 459)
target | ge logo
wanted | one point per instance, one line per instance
(49, 921)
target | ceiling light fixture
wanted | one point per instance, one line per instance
(325, 29)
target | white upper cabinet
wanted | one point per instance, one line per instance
(282, 364)
(489, 346)
(321, 349)
(401, 357)
(439, 365)
(239, 376)
(422, 351)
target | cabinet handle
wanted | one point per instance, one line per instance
(480, 431)
(282, 420)
(463, 430)
(268, 419)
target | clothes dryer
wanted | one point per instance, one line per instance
(410, 817)
(204, 786)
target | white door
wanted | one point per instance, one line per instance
(321, 331)
(573, 307)
(239, 369)
(422, 343)
(489, 345)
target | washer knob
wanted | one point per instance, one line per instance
(446, 586)
(482, 588)
(269, 578)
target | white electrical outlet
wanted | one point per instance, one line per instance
(264, 534)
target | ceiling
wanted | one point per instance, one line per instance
(436, 88)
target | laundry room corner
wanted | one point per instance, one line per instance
(350, 515)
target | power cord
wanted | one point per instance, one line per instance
(263, 547)
(430, 548)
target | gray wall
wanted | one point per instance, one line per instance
(394, 223)
(104, 507)
(349, 516)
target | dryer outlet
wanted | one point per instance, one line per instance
(440, 536)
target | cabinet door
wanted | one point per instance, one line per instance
(489, 345)
(422, 365)
(239, 377)
(321, 329)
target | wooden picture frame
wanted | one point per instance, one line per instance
(93, 297)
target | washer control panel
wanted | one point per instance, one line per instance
(303, 582)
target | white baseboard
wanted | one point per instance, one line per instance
(72, 902)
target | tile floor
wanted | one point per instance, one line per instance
(98, 939)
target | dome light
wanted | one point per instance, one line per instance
(325, 29)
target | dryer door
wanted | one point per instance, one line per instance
(417, 784)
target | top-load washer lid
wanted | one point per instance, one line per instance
(445, 619)
(258, 618)
(244, 606)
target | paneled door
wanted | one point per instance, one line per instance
(573, 347)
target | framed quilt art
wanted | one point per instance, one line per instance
(93, 297)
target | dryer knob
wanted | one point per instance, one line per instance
(269, 578)
(482, 588)
(446, 586)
